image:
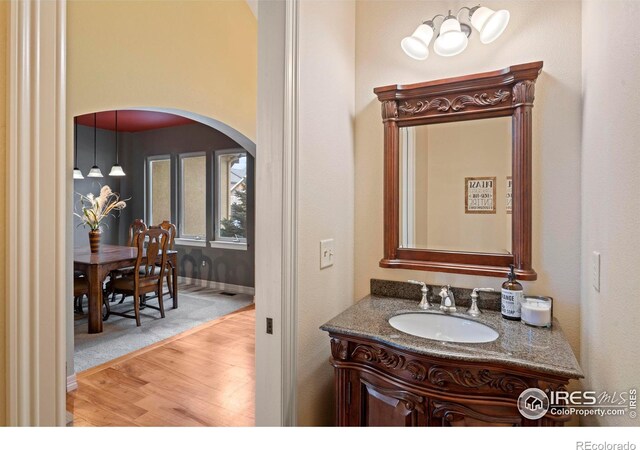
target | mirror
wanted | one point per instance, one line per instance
(457, 173)
(455, 186)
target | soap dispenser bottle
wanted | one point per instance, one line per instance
(512, 297)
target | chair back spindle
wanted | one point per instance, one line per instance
(171, 228)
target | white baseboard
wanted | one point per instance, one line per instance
(72, 383)
(218, 285)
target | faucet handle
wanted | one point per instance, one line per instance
(473, 310)
(424, 303)
(448, 302)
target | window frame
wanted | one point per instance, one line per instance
(148, 188)
(218, 240)
(180, 198)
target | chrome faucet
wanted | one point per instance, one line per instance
(424, 303)
(473, 310)
(448, 303)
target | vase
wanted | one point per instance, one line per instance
(94, 240)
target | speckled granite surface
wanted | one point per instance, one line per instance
(518, 345)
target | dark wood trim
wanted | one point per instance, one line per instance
(501, 93)
(452, 257)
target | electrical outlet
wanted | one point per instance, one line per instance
(595, 270)
(269, 325)
(326, 253)
(204, 263)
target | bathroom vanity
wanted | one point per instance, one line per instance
(457, 198)
(384, 377)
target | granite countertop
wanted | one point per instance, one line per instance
(543, 350)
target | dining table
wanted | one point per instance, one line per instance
(97, 266)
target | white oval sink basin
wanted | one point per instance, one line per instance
(443, 328)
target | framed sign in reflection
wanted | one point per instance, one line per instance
(480, 195)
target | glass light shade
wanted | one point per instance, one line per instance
(95, 172)
(417, 45)
(489, 23)
(452, 40)
(77, 174)
(116, 171)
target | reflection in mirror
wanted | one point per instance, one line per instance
(455, 186)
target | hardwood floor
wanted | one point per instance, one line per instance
(202, 377)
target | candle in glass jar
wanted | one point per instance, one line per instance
(536, 311)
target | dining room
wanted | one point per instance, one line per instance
(163, 236)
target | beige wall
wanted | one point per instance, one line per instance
(610, 206)
(445, 156)
(534, 33)
(199, 56)
(4, 24)
(326, 192)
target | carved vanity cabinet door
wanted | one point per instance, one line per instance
(376, 402)
(445, 413)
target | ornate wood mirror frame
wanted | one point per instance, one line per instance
(502, 93)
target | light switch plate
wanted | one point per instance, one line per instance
(595, 270)
(326, 253)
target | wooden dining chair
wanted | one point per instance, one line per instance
(171, 228)
(148, 275)
(136, 227)
(80, 289)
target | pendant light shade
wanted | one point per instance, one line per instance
(417, 45)
(95, 170)
(116, 169)
(451, 41)
(77, 173)
(489, 23)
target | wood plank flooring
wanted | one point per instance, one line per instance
(202, 377)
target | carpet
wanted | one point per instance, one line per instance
(197, 305)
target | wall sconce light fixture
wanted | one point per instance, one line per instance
(453, 35)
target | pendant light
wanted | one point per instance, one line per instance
(95, 170)
(116, 170)
(77, 173)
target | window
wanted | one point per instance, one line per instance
(231, 204)
(209, 201)
(158, 189)
(193, 196)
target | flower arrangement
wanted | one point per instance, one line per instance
(96, 209)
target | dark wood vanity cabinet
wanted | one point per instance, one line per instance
(378, 385)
